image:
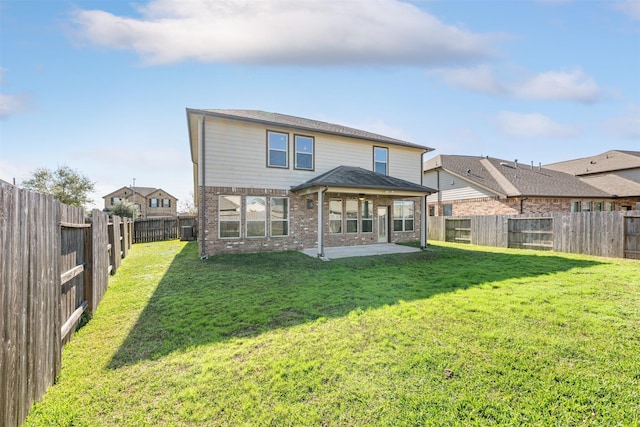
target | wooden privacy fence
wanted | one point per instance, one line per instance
(54, 266)
(609, 234)
(157, 229)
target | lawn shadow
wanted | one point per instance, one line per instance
(233, 296)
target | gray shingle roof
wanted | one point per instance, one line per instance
(507, 179)
(354, 177)
(265, 117)
(612, 160)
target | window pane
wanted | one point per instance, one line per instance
(367, 209)
(408, 210)
(380, 154)
(279, 216)
(229, 216)
(256, 216)
(304, 161)
(304, 144)
(277, 158)
(397, 225)
(352, 209)
(278, 148)
(255, 229)
(408, 225)
(229, 228)
(335, 216)
(367, 226)
(230, 208)
(278, 141)
(352, 226)
(381, 168)
(447, 210)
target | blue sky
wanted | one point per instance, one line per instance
(102, 86)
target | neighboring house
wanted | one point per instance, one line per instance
(471, 185)
(151, 202)
(271, 182)
(616, 171)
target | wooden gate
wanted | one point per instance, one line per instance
(632, 237)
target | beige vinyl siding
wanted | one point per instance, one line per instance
(235, 155)
(452, 188)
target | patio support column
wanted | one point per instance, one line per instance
(321, 223)
(423, 220)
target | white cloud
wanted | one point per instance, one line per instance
(14, 104)
(573, 85)
(631, 8)
(532, 126)
(311, 32)
(626, 126)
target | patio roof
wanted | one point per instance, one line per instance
(352, 179)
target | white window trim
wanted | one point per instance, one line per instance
(403, 218)
(220, 221)
(341, 217)
(271, 218)
(286, 150)
(363, 219)
(386, 163)
(347, 219)
(247, 220)
(295, 152)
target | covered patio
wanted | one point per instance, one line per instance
(363, 184)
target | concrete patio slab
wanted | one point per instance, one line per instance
(363, 250)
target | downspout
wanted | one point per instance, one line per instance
(203, 198)
(321, 222)
(522, 199)
(423, 228)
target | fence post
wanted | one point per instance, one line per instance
(88, 269)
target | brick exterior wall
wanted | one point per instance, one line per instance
(303, 223)
(511, 206)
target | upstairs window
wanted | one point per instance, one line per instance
(303, 152)
(381, 160)
(153, 203)
(115, 200)
(277, 149)
(166, 203)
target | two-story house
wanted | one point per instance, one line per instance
(268, 182)
(151, 202)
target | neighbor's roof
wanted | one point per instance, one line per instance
(143, 191)
(614, 184)
(277, 119)
(511, 179)
(612, 160)
(354, 177)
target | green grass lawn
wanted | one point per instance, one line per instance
(455, 335)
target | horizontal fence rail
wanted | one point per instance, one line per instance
(55, 265)
(609, 234)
